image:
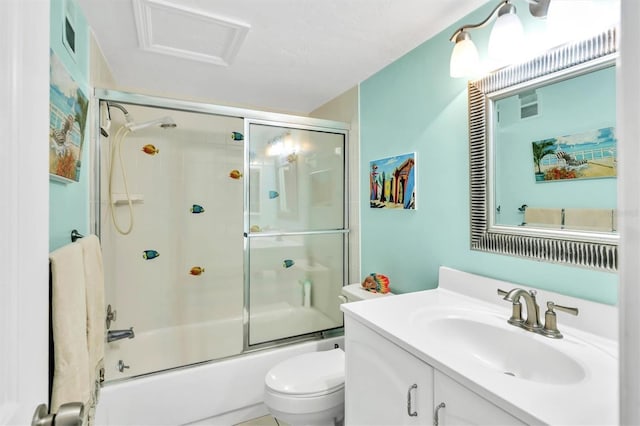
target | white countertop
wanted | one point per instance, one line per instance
(589, 341)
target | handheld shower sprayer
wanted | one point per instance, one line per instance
(116, 147)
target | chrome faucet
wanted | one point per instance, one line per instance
(532, 323)
(113, 335)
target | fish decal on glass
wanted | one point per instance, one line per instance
(150, 254)
(235, 174)
(292, 158)
(288, 263)
(150, 149)
(196, 270)
(237, 136)
(273, 194)
(197, 209)
(255, 228)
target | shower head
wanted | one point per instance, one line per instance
(164, 122)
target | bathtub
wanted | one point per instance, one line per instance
(164, 348)
(222, 392)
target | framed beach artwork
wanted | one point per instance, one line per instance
(68, 110)
(585, 155)
(392, 182)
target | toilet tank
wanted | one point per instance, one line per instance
(355, 292)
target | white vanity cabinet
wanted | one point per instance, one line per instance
(455, 344)
(464, 407)
(384, 385)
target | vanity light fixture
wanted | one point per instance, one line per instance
(505, 41)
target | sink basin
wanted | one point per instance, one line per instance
(505, 349)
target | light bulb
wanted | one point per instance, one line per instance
(507, 36)
(465, 60)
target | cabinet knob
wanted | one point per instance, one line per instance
(409, 409)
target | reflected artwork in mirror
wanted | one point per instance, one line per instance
(544, 156)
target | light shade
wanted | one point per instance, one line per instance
(465, 60)
(567, 21)
(507, 36)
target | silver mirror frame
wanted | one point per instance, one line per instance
(569, 248)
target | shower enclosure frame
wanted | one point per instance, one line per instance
(344, 231)
(249, 116)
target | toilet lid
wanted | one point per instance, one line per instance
(309, 373)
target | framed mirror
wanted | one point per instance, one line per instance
(543, 157)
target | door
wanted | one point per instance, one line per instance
(296, 229)
(24, 208)
(384, 385)
(457, 405)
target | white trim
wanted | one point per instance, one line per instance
(24, 216)
(629, 212)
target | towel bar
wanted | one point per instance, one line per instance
(75, 235)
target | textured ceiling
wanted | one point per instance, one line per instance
(297, 54)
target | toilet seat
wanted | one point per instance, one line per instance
(308, 375)
(303, 404)
(307, 386)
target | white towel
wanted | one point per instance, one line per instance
(94, 280)
(589, 219)
(544, 217)
(71, 381)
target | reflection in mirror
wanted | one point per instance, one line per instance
(254, 191)
(554, 154)
(543, 156)
(287, 190)
(296, 179)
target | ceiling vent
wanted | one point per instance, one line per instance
(179, 31)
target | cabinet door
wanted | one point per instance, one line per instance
(464, 407)
(384, 385)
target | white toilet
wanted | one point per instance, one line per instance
(308, 389)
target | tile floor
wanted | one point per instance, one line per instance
(263, 421)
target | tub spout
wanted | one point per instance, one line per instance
(113, 335)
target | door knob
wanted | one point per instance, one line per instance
(41, 417)
(69, 414)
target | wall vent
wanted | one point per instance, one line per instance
(529, 104)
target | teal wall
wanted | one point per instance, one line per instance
(413, 105)
(69, 202)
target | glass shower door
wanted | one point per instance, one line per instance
(296, 230)
(177, 277)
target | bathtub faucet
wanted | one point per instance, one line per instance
(113, 335)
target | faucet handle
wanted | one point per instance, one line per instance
(516, 310)
(572, 311)
(550, 323)
(111, 316)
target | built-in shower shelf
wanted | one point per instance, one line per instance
(121, 199)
